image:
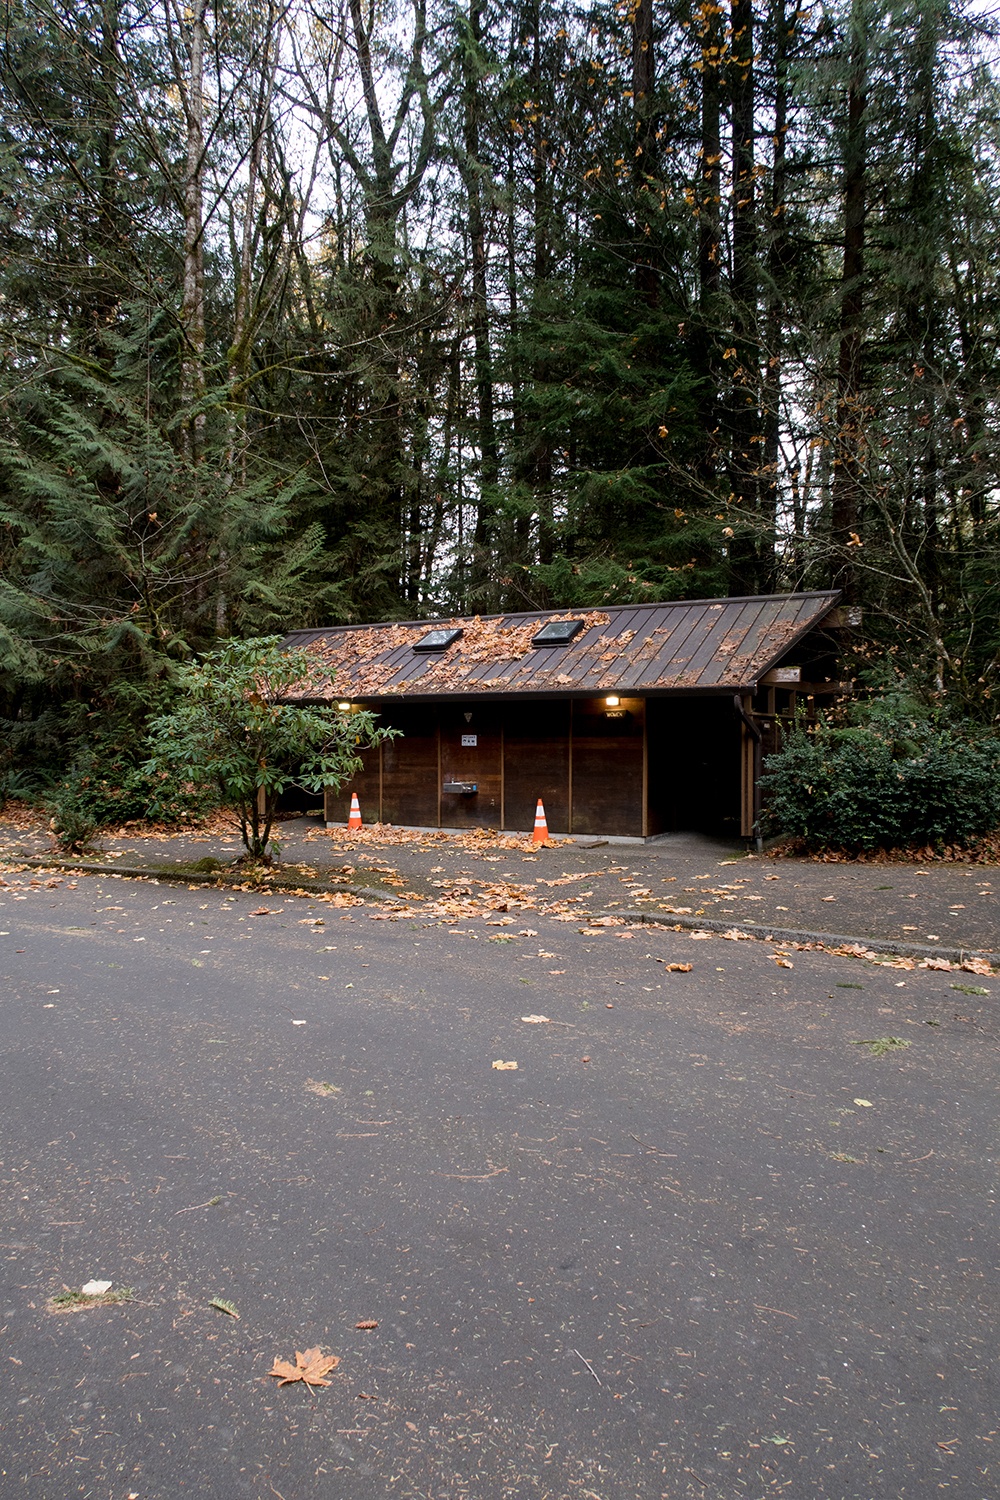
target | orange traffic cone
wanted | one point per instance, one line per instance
(354, 817)
(541, 833)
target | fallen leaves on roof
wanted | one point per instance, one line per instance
(371, 661)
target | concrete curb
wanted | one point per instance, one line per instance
(796, 935)
(207, 877)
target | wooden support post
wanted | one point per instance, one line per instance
(746, 782)
(750, 763)
(381, 776)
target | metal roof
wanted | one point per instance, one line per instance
(696, 645)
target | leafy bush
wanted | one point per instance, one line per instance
(88, 756)
(119, 792)
(888, 779)
(242, 721)
(73, 820)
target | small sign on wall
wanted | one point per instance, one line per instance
(470, 740)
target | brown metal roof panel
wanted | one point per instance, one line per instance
(699, 646)
(682, 645)
(610, 656)
(739, 652)
(676, 665)
(486, 673)
(669, 641)
(781, 623)
(806, 620)
(733, 630)
(613, 660)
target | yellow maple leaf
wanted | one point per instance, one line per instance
(309, 1367)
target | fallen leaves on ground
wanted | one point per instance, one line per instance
(467, 898)
(381, 835)
(221, 1304)
(982, 851)
(878, 1046)
(309, 1367)
(534, 1021)
(68, 1301)
(675, 968)
(503, 1067)
(897, 961)
(367, 1323)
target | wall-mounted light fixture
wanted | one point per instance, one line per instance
(343, 707)
(612, 702)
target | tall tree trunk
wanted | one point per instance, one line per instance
(745, 457)
(708, 206)
(193, 294)
(110, 235)
(923, 312)
(849, 438)
(647, 278)
(541, 451)
(708, 196)
(783, 31)
(473, 174)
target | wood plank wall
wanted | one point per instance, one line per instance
(647, 769)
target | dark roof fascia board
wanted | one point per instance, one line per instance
(497, 695)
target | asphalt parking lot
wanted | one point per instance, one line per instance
(726, 1231)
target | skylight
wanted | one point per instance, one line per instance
(557, 633)
(438, 640)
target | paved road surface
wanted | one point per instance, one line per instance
(671, 1255)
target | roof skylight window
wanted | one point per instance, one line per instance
(557, 633)
(438, 640)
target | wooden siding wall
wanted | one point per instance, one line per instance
(597, 770)
(536, 764)
(607, 755)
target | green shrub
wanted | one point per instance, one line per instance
(106, 793)
(889, 780)
(73, 820)
(239, 722)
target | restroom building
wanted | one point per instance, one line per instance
(628, 721)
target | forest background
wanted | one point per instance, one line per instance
(373, 309)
